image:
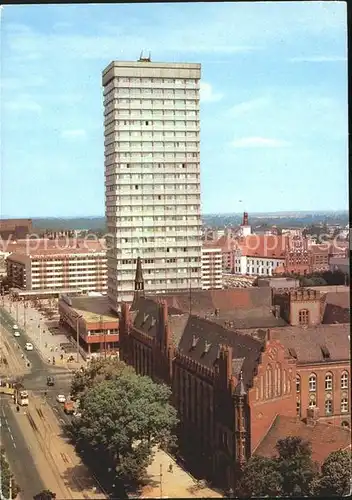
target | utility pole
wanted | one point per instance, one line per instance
(16, 311)
(161, 480)
(24, 315)
(77, 338)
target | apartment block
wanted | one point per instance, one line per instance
(54, 269)
(211, 268)
(152, 176)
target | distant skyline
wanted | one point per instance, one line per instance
(274, 126)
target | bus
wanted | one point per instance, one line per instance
(21, 395)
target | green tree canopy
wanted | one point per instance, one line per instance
(336, 473)
(6, 477)
(97, 371)
(260, 478)
(45, 495)
(296, 466)
(123, 418)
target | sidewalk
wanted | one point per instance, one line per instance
(37, 330)
(176, 483)
(73, 472)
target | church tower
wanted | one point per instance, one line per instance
(138, 280)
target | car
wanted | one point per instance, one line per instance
(16, 333)
(60, 398)
(50, 381)
(28, 346)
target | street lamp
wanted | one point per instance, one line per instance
(77, 335)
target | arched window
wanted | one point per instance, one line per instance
(344, 405)
(303, 317)
(285, 382)
(270, 381)
(312, 383)
(312, 401)
(328, 407)
(328, 382)
(298, 383)
(344, 380)
(345, 424)
(298, 408)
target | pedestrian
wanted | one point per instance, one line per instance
(46, 345)
(170, 467)
(49, 360)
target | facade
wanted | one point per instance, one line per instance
(58, 269)
(259, 255)
(152, 175)
(230, 381)
(211, 267)
(90, 319)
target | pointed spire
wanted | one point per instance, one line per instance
(139, 281)
(240, 389)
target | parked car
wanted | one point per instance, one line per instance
(60, 398)
(50, 381)
(28, 346)
(16, 333)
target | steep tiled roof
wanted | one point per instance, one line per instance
(202, 302)
(264, 245)
(307, 342)
(324, 438)
(200, 339)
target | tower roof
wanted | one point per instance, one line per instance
(139, 273)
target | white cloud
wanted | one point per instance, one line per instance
(258, 142)
(77, 133)
(23, 103)
(11, 83)
(319, 59)
(207, 93)
(248, 106)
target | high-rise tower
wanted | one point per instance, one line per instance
(152, 176)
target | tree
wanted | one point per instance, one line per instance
(97, 371)
(260, 478)
(296, 466)
(335, 477)
(7, 477)
(45, 495)
(123, 419)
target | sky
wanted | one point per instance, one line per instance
(274, 127)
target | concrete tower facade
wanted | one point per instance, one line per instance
(152, 176)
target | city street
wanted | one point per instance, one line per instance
(37, 429)
(18, 454)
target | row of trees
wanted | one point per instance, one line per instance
(124, 416)
(7, 477)
(294, 473)
(332, 278)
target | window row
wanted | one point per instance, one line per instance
(328, 406)
(125, 124)
(312, 382)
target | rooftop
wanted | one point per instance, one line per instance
(198, 338)
(93, 309)
(315, 344)
(324, 438)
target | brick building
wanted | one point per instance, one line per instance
(230, 380)
(14, 229)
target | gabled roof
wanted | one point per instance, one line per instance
(308, 342)
(205, 302)
(200, 339)
(324, 438)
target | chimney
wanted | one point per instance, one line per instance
(312, 416)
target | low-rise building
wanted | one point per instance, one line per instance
(211, 267)
(259, 255)
(91, 321)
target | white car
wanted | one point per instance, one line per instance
(16, 333)
(28, 346)
(60, 398)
